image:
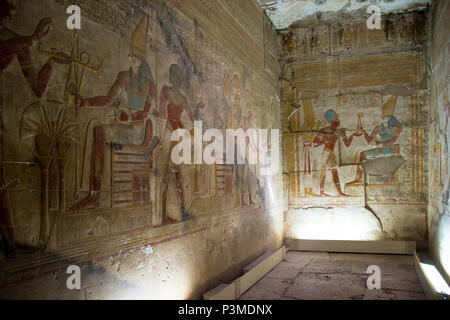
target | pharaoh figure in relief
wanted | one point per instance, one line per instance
(174, 108)
(129, 133)
(328, 137)
(17, 46)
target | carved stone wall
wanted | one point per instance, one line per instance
(356, 126)
(87, 117)
(438, 217)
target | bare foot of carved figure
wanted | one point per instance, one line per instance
(92, 201)
(309, 193)
(354, 182)
(323, 194)
(341, 194)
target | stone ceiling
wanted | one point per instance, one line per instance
(285, 12)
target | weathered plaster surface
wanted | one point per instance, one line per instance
(283, 13)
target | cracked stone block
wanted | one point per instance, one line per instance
(327, 266)
(360, 267)
(266, 289)
(286, 271)
(327, 287)
(401, 281)
(387, 268)
(395, 269)
(381, 294)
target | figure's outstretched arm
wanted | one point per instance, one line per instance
(18, 44)
(113, 94)
(141, 115)
(39, 81)
(347, 141)
(318, 140)
(372, 136)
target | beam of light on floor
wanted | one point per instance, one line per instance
(434, 277)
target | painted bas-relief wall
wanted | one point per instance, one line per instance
(87, 119)
(356, 121)
(438, 218)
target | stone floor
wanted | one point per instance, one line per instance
(337, 276)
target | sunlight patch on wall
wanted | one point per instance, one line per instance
(444, 243)
(349, 223)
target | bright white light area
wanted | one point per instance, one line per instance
(350, 223)
(435, 278)
(443, 242)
